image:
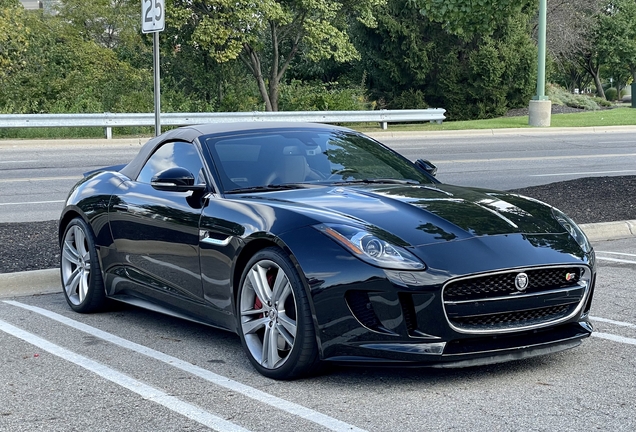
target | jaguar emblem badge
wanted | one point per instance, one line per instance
(521, 282)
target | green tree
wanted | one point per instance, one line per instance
(617, 30)
(110, 23)
(63, 72)
(592, 57)
(466, 18)
(411, 59)
(13, 36)
(266, 36)
(568, 34)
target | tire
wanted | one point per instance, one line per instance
(82, 281)
(273, 308)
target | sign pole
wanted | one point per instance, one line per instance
(153, 20)
(155, 55)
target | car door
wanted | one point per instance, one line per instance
(156, 232)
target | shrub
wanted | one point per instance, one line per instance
(560, 96)
(409, 99)
(318, 96)
(611, 94)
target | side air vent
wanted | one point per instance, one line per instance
(362, 310)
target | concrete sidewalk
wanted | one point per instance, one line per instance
(48, 281)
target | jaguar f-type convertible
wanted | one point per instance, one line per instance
(318, 245)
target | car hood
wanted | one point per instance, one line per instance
(421, 214)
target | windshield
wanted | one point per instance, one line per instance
(305, 156)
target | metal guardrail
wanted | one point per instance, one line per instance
(110, 120)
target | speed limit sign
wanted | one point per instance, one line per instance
(153, 17)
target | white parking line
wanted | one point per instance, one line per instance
(615, 260)
(33, 179)
(18, 161)
(536, 158)
(616, 253)
(609, 321)
(619, 260)
(152, 394)
(615, 338)
(582, 173)
(32, 202)
(266, 398)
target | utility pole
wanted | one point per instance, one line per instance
(540, 106)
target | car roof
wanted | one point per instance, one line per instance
(190, 133)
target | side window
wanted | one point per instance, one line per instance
(170, 155)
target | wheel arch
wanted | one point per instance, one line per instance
(250, 249)
(66, 218)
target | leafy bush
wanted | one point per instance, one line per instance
(408, 99)
(318, 96)
(611, 94)
(601, 102)
(560, 96)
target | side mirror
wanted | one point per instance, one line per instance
(175, 180)
(426, 166)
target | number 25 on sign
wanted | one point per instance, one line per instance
(153, 18)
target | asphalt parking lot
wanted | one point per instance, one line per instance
(131, 369)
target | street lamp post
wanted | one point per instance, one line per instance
(540, 106)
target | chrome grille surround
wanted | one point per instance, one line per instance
(535, 314)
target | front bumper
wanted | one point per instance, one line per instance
(366, 314)
(467, 352)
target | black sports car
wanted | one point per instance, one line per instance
(318, 244)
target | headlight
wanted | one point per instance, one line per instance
(571, 227)
(371, 248)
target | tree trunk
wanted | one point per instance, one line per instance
(273, 93)
(274, 78)
(594, 71)
(253, 63)
(270, 91)
(599, 86)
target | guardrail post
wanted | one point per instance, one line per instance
(384, 125)
(109, 132)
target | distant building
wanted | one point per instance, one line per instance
(32, 4)
(46, 5)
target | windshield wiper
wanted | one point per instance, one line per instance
(267, 188)
(378, 181)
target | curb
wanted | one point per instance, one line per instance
(38, 282)
(609, 230)
(26, 283)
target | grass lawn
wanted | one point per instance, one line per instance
(614, 117)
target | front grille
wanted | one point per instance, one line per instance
(502, 284)
(492, 302)
(513, 319)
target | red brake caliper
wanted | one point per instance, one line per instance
(258, 305)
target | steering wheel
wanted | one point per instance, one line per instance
(337, 175)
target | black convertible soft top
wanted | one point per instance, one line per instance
(190, 133)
